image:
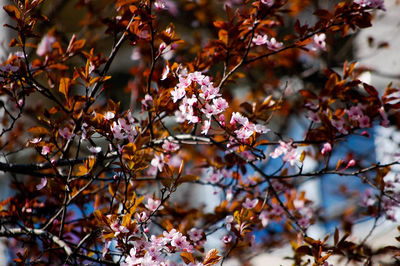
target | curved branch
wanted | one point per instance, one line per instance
(12, 232)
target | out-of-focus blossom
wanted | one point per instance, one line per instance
(250, 204)
(66, 133)
(43, 183)
(268, 3)
(45, 150)
(95, 150)
(147, 101)
(109, 115)
(45, 45)
(274, 45)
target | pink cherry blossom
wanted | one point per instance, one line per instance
(261, 129)
(281, 149)
(313, 116)
(95, 150)
(209, 110)
(118, 229)
(169, 235)
(289, 153)
(209, 92)
(215, 177)
(45, 45)
(132, 260)
(189, 102)
(195, 234)
(238, 118)
(179, 241)
(184, 81)
(319, 41)
(245, 132)
(339, 125)
(147, 101)
(152, 205)
(196, 76)
(158, 161)
(250, 204)
(178, 93)
(368, 198)
(378, 4)
(221, 120)
(228, 222)
(165, 73)
(260, 39)
(8, 68)
(180, 116)
(326, 148)
(220, 105)
(227, 239)
(291, 156)
(45, 150)
(355, 112)
(186, 113)
(205, 81)
(116, 129)
(35, 140)
(364, 121)
(268, 3)
(109, 115)
(385, 122)
(168, 5)
(170, 146)
(351, 163)
(274, 45)
(206, 126)
(141, 217)
(264, 217)
(66, 133)
(43, 183)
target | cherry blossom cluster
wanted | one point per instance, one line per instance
(356, 116)
(156, 249)
(153, 250)
(6, 70)
(389, 200)
(209, 103)
(122, 128)
(247, 128)
(212, 103)
(288, 151)
(376, 4)
(272, 44)
(355, 113)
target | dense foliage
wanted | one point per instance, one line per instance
(117, 115)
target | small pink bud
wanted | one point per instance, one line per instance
(351, 163)
(365, 134)
(326, 148)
